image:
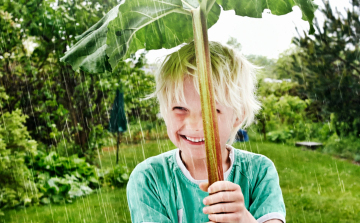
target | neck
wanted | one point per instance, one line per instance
(198, 167)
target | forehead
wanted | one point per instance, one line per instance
(188, 94)
(191, 94)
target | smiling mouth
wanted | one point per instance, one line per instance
(193, 139)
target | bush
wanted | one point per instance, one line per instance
(55, 166)
(15, 145)
(348, 148)
(357, 158)
(312, 131)
(53, 179)
(280, 135)
(118, 176)
(32, 177)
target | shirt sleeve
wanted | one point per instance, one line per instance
(267, 200)
(143, 199)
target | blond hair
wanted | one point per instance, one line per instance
(233, 77)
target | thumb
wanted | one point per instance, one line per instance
(204, 186)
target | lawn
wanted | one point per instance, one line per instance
(316, 187)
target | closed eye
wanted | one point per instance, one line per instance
(179, 108)
(184, 109)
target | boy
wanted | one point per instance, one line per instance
(172, 187)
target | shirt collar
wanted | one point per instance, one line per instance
(187, 173)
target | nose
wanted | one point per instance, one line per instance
(195, 122)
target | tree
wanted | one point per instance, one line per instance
(61, 104)
(232, 41)
(327, 67)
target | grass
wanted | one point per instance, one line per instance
(316, 187)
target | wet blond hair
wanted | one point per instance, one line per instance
(233, 77)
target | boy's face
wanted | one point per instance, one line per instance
(185, 125)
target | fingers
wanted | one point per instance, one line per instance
(230, 217)
(225, 200)
(223, 185)
(223, 208)
(204, 186)
(227, 197)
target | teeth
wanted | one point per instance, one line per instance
(195, 140)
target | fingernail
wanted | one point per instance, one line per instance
(204, 210)
(204, 201)
(209, 190)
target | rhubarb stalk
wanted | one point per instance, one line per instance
(207, 97)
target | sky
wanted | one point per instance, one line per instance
(268, 36)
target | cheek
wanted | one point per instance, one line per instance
(172, 123)
(225, 127)
(175, 120)
(225, 123)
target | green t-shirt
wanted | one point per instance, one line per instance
(161, 189)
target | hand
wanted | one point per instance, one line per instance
(226, 203)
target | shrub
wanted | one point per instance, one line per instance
(280, 135)
(15, 145)
(48, 166)
(348, 148)
(118, 176)
(357, 158)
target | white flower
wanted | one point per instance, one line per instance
(30, 45)
(6, 55)
(6, 15)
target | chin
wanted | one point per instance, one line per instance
(195, 153)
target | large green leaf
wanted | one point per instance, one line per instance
(151, 24)
(134, 25)
(89, 53)
(255, 8)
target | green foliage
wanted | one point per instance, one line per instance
(57, 179)
(284, 119)
(64, 107)
(118, 176)
(59, 103)
(53, 165)
(15, 144)
(138, 85)
(278, 89)
(348, 148)
(280, 109)
(327, 67)
(62, 178)
(232, 41)
(266, 66)
(31, 177)
(280, 135)
(52, 179)
(14, 135)
(284, 64)
(255, 8)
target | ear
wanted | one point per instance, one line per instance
(237, 121)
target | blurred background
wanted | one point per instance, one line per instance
(58, 159)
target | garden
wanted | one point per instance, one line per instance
(62, 161)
